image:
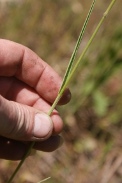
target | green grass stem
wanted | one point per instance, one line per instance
(21, 162)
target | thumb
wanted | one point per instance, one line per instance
(21, 122)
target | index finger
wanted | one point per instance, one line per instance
(19, 61)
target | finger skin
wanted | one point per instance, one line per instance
(50, 144)
(17, 120)
(17, 149)
(16, 90)
(11, 149)
(19, 61)
(22, 122)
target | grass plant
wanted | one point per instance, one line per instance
(71, 69)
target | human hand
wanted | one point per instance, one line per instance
(28, 87)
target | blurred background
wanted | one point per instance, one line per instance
(92, 149)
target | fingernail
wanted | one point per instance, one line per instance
(43, 126)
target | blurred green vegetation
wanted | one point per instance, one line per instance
(92, 151)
